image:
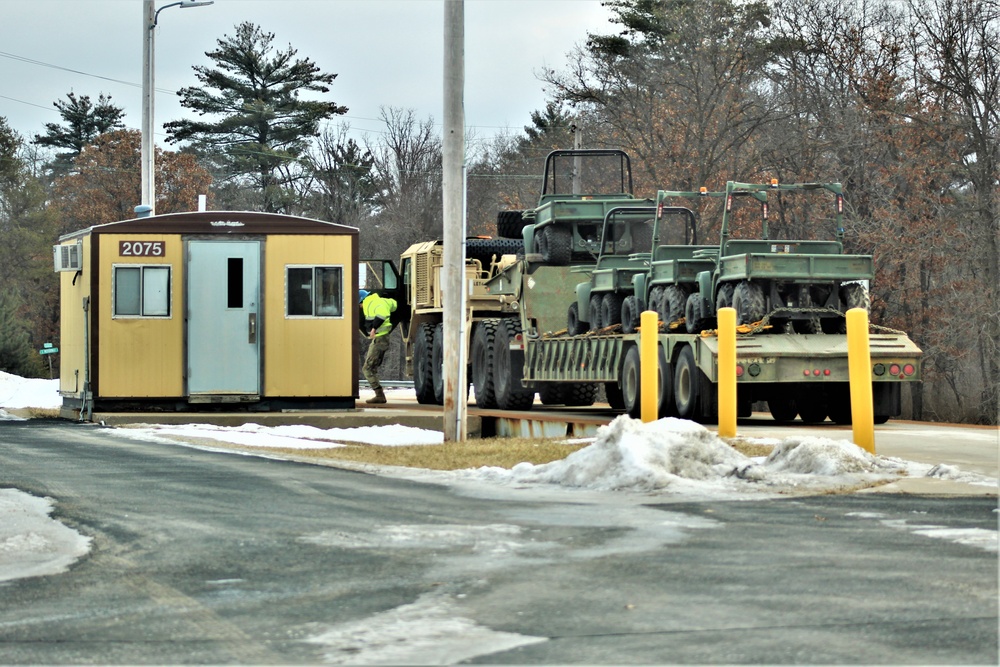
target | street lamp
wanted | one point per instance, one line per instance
(149, 17)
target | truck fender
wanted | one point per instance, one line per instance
(528, 234)
(583, 301)
(705, 291)
(639, 289)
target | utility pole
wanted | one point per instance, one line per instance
(453, 196)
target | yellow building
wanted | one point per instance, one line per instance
(188, 310)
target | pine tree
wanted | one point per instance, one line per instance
(83, 122)
(261, 124)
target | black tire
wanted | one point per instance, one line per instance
(482, 362)
(611, 309)
(782, 408)
(551, 394)
(724, 299)
(748, 300)
(655, 299)
(555, 245)
(631, 314)
(673, 304)
(595, 311)
(614, 395)
(642, 237)
(423, 364)
(694, 319)
(813, 409)
(574, 325)
(840, 408)
(508, 369)
(579, 394)
(687, 384)
(509, 224)
(665, 403)
(486, 250)
(631, 379)
(437, 364)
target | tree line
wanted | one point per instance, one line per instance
(899, 101)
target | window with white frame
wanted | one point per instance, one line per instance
(141, 290)
(314, 291)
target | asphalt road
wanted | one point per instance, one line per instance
(202, 557)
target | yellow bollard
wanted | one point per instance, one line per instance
(649, 364)
(859, 362)
(727, 372)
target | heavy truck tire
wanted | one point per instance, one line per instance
(686, 385)
(509, 224)
(508, 369)
(481, 357)
(631, 382)
(485, 250)
(423, 365)
(437, 363)
(579, 394)
(613, 393)
(595, 311)
(694, 319)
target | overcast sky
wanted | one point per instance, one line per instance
(385, 53)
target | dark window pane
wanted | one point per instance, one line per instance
(299, 291)
(235, 282)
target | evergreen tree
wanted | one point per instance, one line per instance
(83, 122)
(17, 356)
(261, 124)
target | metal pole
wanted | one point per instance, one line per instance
(148, 194)
(453, 154)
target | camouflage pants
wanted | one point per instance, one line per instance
(376, 353)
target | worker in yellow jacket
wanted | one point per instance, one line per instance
(376, 311)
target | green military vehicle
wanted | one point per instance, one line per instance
(801, 285)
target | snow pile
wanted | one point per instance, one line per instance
(678, 455)
(18, 392)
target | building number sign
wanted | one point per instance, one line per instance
(141, 248)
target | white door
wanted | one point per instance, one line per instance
(223, 297)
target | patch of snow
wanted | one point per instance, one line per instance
(429, 631)
(18, 392)
(31, 543)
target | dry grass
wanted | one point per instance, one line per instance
(749, 448)
(473, 453)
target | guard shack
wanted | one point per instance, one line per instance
(189, 311)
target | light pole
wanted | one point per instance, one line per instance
(147, 149)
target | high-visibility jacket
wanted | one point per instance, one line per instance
(377, 310)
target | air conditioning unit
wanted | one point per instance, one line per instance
(68, 257)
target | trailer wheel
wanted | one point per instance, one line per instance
(555, 245)
(673, 304)
(574, 325)
(686, 384)
(437, 363)
(748, 299)
(813, 411)
(655, 299)
(782, 408)
(578, 394)
(508, 369)
(632, 382)
(630, 314)
(614, 395)
(482, 363)
(595, 311)
(550, 394)
(665, 404)
(423, 364)
(611, 309)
